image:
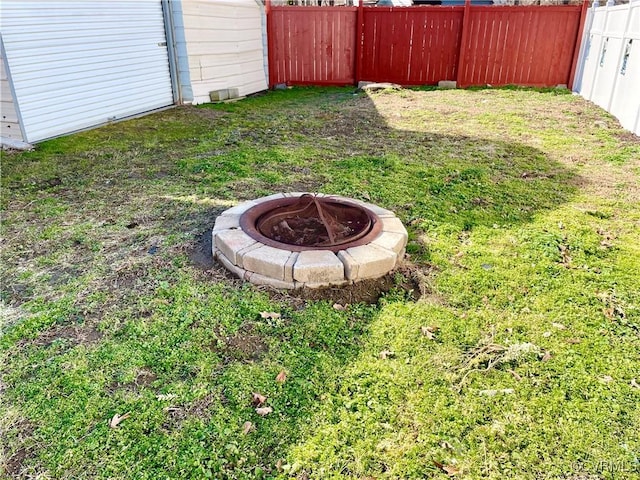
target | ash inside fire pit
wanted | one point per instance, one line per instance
(314, 222)
(310, 222)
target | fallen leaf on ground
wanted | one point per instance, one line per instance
(493, 393)
(447, 445)
(448, 469)
(257, 399)
(566, 257)
(272, 315)
(116, 419)
(546, 334)
(279, 465)
(247, 427)
(262, 411)
(559, 326)
(429, 331)
(281, 377)
(634, 384)
(606, 379)
(515, 375)
(166, 396)
(337, 306)
(574, 341)
(546, 357)
(386, 354)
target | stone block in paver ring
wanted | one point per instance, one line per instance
(394, 225)
(391, 241)
(225, 222)
(258, 279)
(237, 271)
(372, 261)
(341, 283)
(350, 265)
(240, 254)
(316, 266)
(288, 267)
(270, 197)
(267, 261)
(240, 208)
(230, 242)
(381, 212)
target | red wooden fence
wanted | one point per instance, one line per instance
(312, 45)
(474, 45)
(529, 45)
(411, 46)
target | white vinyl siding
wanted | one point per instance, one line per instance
(224, 46)
(77, 64)
(9, 123)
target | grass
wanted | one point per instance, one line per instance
(519, 360)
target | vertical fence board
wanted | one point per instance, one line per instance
(508, 52)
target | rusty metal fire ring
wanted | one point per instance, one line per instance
(259, 221)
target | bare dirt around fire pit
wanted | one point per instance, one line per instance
(407, 281)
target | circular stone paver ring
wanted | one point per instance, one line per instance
(280, 267)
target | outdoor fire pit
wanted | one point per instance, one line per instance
(296, 240)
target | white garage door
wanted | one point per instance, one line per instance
(76, 64)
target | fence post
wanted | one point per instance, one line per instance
(578, 47)
(636, 129)
(270, 43)
(466, 25)
(359, 33)
(576, 86)
(625, 32)
(595, 6)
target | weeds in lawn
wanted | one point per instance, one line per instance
(127, 353)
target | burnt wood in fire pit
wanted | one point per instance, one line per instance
(309, 222)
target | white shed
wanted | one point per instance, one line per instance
(69, 65)
(225, 45)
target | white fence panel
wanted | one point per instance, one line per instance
(610, 72)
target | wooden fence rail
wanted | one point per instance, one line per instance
(473, 45)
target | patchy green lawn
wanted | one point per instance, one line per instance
(517, 355)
